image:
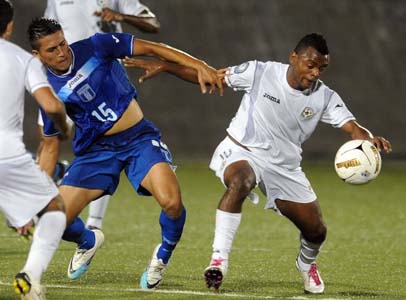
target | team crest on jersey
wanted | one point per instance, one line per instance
(307, 113)
(241, 68)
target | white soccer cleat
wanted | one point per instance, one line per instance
(82, 258)
(27, 289)
(215, 272)
(152, 276)
(313, 284)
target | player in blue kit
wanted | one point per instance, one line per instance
(111, 134)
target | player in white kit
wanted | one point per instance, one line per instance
(81, 19)
(280, 109)
(25, 191)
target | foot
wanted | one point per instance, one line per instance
(313, 284)
(215, 272)
(28, 289)
(82, 258)
(152, 276)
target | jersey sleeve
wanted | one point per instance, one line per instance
(135, 8)
(113, 45)
(336, 112)
(241, 78)
(48, 128)
(35, 77)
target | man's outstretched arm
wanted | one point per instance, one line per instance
(154, 67)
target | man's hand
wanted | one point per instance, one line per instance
(381, 144)
(66, 133)
(26, 231)
(109, 15)
(151, 67)
(208, 75)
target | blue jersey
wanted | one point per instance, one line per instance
(96, 90)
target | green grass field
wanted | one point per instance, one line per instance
(364, 256)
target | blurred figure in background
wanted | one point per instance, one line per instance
(25, 191)
(81, 19)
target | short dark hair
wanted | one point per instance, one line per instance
(6, 15)
(39, 28)
(314, 40)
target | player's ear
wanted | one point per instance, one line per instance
(35, 53)
(293, 57)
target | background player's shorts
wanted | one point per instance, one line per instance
(100, 167)
(275, 182)
(24, 189)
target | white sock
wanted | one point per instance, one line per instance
(308, 253)
(226, 228)
(97, 210)
(47, 235)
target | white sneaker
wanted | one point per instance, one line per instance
(27, 289)
(313, 284)
(152, 276)
(82, 258)
(215, 272)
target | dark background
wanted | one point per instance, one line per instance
(367, 47)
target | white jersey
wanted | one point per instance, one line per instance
(19, 71)
(274, 119)
(79, 22)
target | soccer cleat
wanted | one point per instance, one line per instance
(152, 276)
(313, 284)
(215, 272)
(27, 289)
(82, 258)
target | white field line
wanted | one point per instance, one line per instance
(181, 292)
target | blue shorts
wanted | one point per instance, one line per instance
(135, 150)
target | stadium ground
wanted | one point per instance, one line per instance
(364, 257)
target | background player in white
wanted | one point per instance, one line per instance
(25, 191)
(95, 17)
(280, 109)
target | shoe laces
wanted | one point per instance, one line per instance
(314, 274)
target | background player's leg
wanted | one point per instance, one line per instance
(97, 211)
(308, 219)
(239, 179)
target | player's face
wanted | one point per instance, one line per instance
(54, 52)
(306, 68)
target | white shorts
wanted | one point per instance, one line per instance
(274, 181)
(24, 189)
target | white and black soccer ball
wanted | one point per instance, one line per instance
(358, 162)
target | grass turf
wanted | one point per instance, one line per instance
(363, 258)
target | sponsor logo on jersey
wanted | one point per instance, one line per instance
(66, 2)
(75, 81)
(307, 113)
(272, 98)
(339, 105)
(241, 68)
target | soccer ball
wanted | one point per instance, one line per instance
(358, 162)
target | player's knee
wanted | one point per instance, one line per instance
(171, 204)
(318, 234)
(240, 184)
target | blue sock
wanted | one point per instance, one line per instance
(171, 233)
(78, 233)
